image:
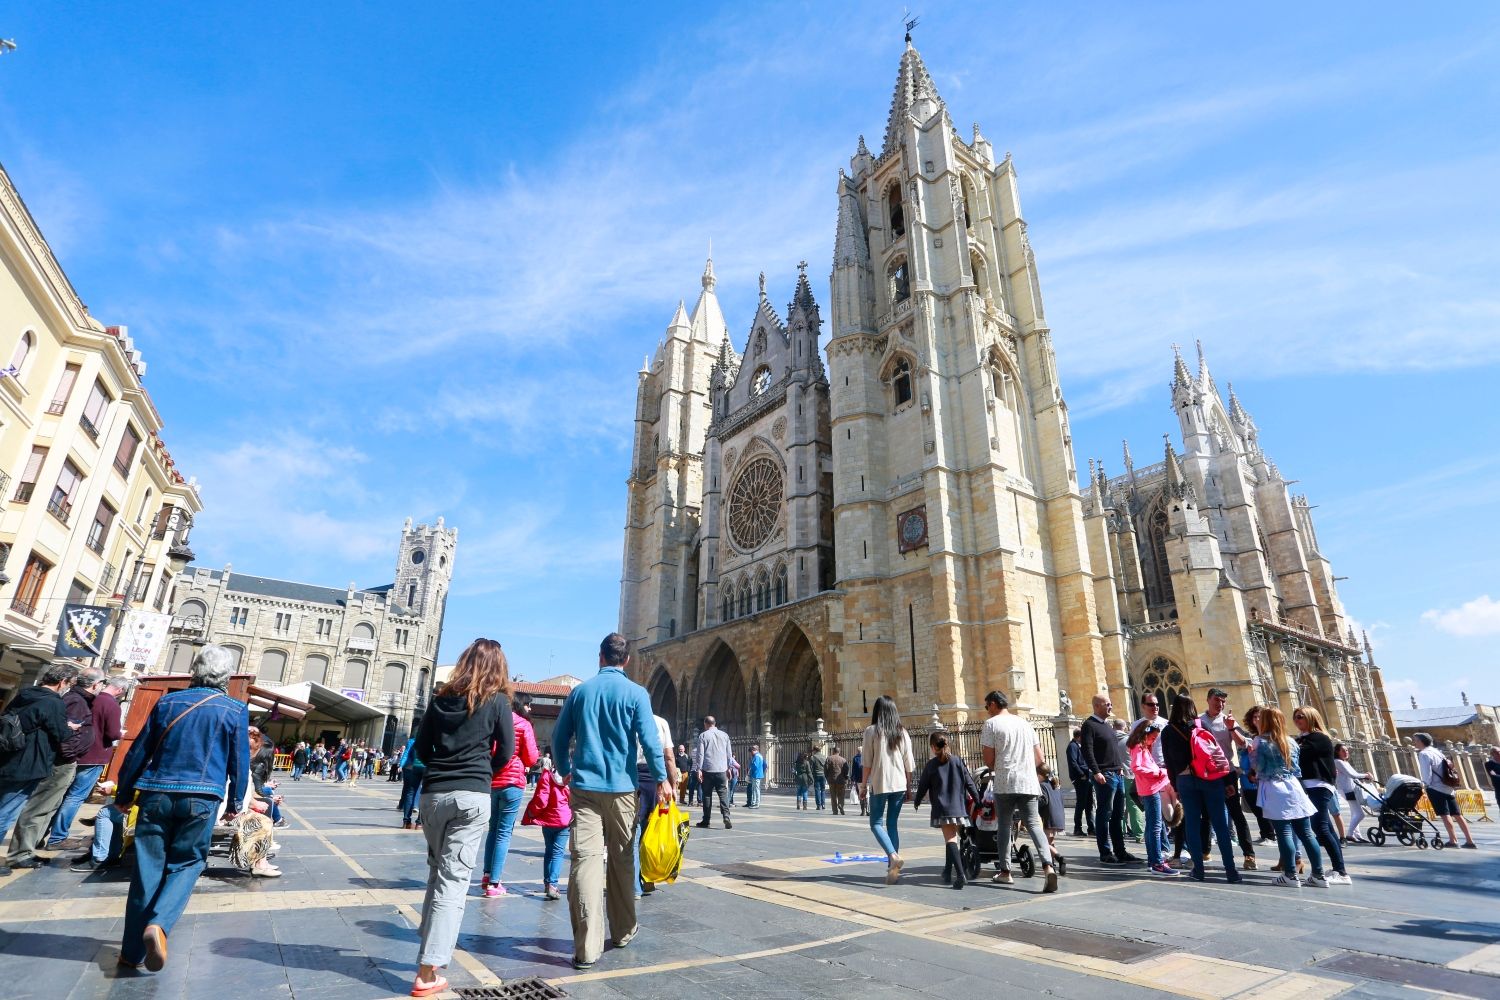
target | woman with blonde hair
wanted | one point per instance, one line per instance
(1320, 777)
(1283, 800)
(466, 736)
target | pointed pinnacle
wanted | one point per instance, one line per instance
(1181, 369)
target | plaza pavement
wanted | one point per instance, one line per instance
(762, 913)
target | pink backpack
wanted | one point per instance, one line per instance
(1209, 761)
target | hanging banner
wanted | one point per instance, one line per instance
(145, 632)
(81, 630)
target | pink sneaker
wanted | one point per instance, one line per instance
(493, 890)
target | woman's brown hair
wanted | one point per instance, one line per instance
(1273, 731)
(939, 744)
(481, 674)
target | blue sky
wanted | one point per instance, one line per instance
(406, 264)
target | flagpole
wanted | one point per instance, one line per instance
(114, 640)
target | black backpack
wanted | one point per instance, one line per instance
(12, 736)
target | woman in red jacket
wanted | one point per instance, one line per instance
(505, 795)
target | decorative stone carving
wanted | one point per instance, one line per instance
(778, 429)
(755, 503)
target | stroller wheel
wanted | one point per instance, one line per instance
(969, 855)
(1377, 837)
(1422, 842)
(1028, 862)
(1437, 844)
(1404, 839)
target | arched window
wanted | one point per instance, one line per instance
(22, 352)
(781, 591)
(901, 382)
(315, 669)
(239, 654)
(981, 276)
(394, 679)
(967, 189)
(411, 596)
(900, 283)
(272, 666)
(761, 382)
(728, 607)
(1158, 573)
(364, 630)
(192, 608)
(140, 515)
(1164, 679)
(356, 674)
(897, 212)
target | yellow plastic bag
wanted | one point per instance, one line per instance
(663, 843)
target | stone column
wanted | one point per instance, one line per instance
(769, 743)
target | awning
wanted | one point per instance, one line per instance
(327, 702)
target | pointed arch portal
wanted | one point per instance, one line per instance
(720, 691)
(793, 686)
(664, 697)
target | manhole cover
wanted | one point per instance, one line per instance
(520, 989)
(748, 871)
(1418, 974)
(1072, 940)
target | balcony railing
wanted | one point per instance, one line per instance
(187, 623)
(362, 645)
(4, 482)
(24, 606)
(96, 543)
(60, 508)
(122, 467)
(89, 428)
(107, 577)
(24, 491)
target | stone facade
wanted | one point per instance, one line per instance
(378, 645)
(1219, 578)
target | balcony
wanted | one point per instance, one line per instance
(4, 482)
(55, 408)
(188, 623)
(358, 645)
(23, 492)
(106, 578)
(96, 543)
(27, 608)
(60, 508)
(89, 428)
(122, 467)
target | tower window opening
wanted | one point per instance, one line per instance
(900, 284)
(901, 382)
(897, 211)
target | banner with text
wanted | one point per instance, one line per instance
(145, 634)
(81, 631)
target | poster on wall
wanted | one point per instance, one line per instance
(355, 693)
(145, 632)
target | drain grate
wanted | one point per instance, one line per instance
(1072, 940)
(520, 989)
(1419, 974)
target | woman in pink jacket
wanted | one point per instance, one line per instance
(551, 810)
(1154, 787)
(505, 796)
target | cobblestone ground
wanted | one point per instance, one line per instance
(762, 912)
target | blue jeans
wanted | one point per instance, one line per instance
(12, 800)
(885, 809)
(1199, 797)
(1322, 826)
(1109, 814)
(411, 791)
(275, 810)
(296, 772)
(820, 783)
(109, 834)
(801, 792)
(1288, 831)
(555, 840)
(172, 834)
(78, 792)
(505, 809)
(752, 794)
(1151, 806)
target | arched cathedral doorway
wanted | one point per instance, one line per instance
(664, 697)
(719, 691)
(793, 689)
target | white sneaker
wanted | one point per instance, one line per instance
(1316, 881)
(1334, 878)
(1285, 881)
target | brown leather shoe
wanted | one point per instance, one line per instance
(156, 948)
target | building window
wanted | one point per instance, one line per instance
(728, 612)
(99, 530)
(238, 654)
(20, 354)
(29, 590)
(325, 628)
(1158, 572)
(61, 504)
(411, 596)
(27, 485)
(140, 515)
(901, 382)
(896, 211)
(781, 588)
(239, 617)
(356, 673)
(968, 196)
(761, 382)
(365, 631)
(315, 669)
(64, 390)
(900, 283)
(272, 666)
(79, 592)
(402, 634)
(394, 678)
(283, 621)
(125, 454)
(163, 587)
(93, 411)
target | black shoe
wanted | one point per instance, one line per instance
(1128, 859)
(1109, 859)
(1079, 833)
(31, 862)
(85, 864)
(728, 825)
(702, 826)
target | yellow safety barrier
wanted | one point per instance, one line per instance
(281, 762)
(1471, 804)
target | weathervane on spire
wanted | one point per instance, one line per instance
(911, 22)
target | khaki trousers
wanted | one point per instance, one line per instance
(601, 881)
(36, 818)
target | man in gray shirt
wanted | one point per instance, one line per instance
(712, 751)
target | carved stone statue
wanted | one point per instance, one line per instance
(1064, 704)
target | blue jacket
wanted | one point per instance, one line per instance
(757, 766)
(199, 756)
(606, 715)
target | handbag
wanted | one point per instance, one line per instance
(251, 841)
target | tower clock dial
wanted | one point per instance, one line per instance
(911, 528)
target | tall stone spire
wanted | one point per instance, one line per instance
(913, 84)
(851, 244)
(1181, 377)
(1236, 411)
(708, 317)
(1204, 378)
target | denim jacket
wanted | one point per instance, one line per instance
(1268, 762)
(199, 756)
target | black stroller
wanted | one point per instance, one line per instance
(1399, 816)
(979, 842)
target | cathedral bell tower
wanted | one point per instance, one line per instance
(958, 520)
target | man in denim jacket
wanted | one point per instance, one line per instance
(194, 744)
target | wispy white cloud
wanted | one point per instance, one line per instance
(1478, 617)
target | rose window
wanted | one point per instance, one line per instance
(754, 502)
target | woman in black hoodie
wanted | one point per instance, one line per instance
(948, 781)
(466, 736)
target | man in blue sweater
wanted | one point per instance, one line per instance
(603, 724)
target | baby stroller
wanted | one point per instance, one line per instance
(1398, 815)
(979, 843)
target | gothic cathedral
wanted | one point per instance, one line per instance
(909, 521)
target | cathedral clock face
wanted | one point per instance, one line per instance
(754, 503)
(417, 557)
(911, 528)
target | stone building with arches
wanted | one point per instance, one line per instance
(375, 645)
(1219, 578)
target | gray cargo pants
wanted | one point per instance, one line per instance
(36, 817)
(454, 824)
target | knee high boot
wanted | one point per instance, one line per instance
(956, 863)
(948, 867)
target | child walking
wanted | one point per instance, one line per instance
(946, 777)
(1054, 810)
(1155, 789)
(549, 809)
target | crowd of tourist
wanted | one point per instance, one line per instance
(1188, 782)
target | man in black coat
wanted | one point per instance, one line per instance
(44, 722)
(1083, 786)
(1104, 758)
